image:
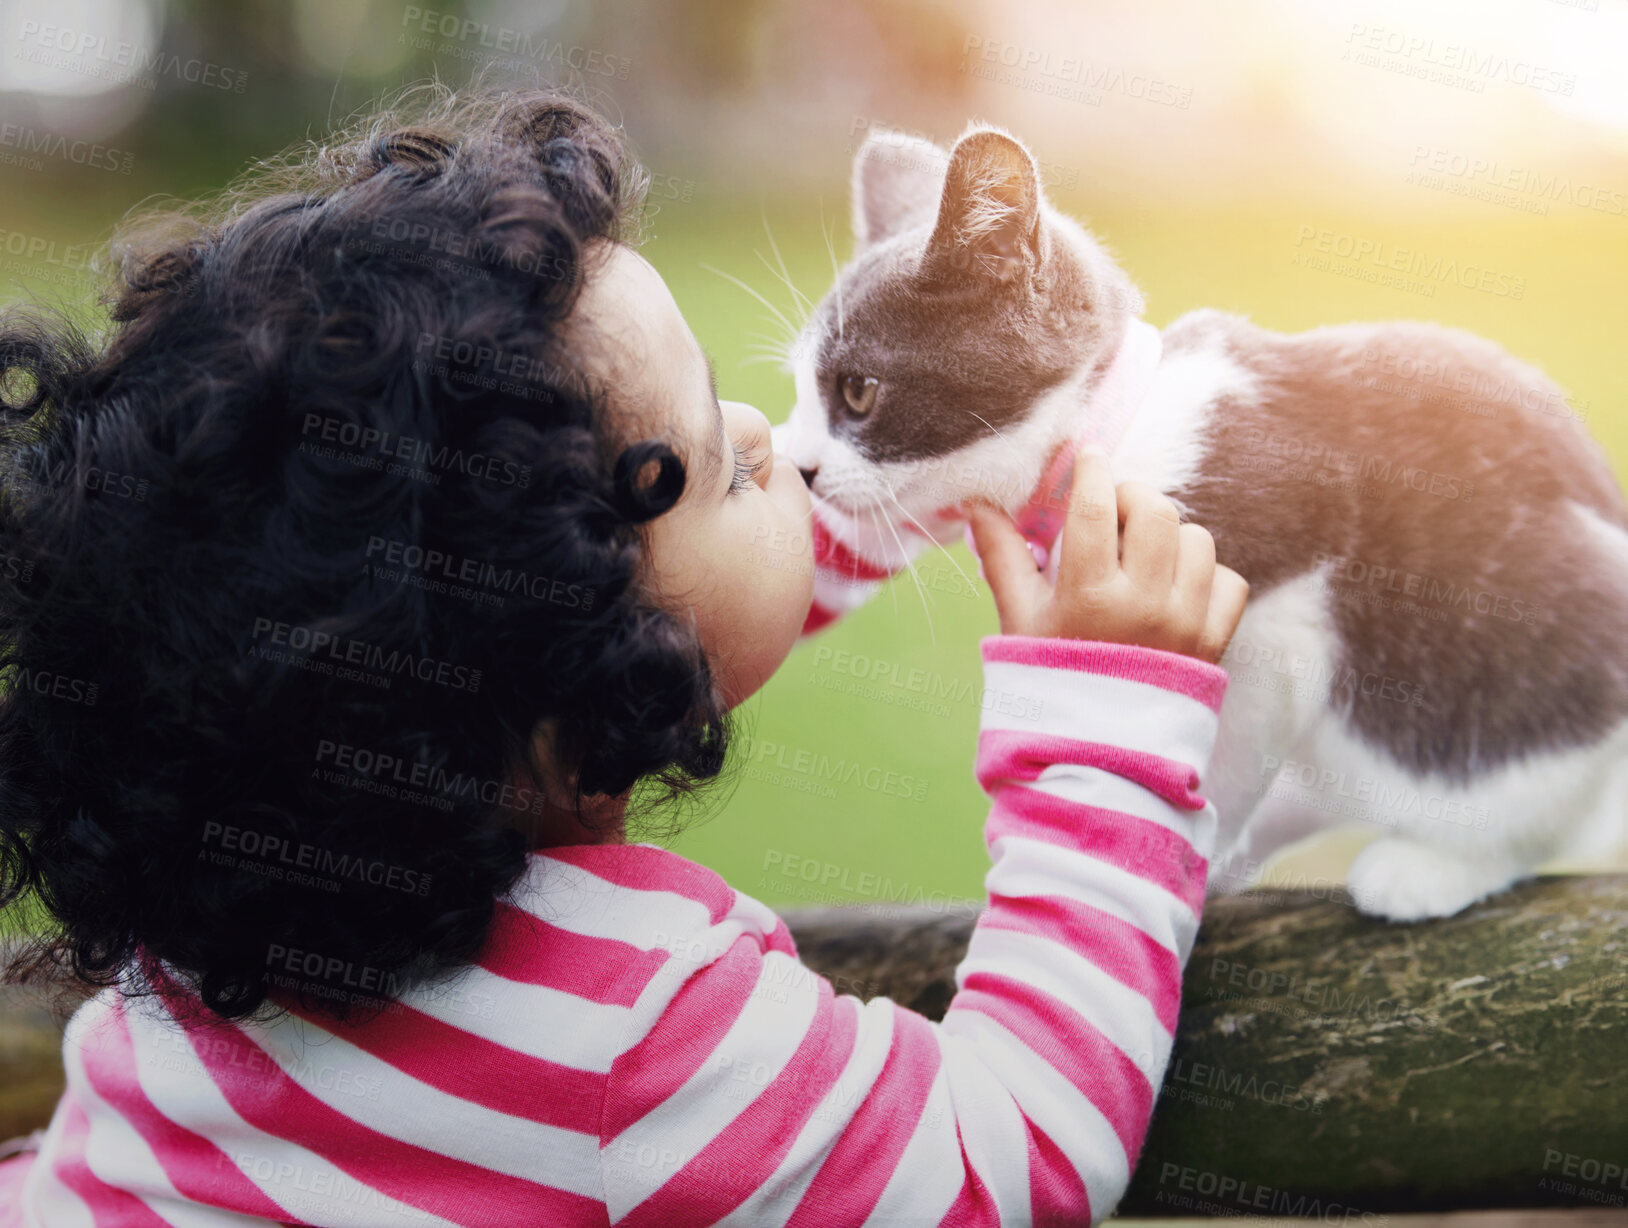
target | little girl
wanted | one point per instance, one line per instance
(391, 536)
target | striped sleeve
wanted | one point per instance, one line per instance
(760, 1096)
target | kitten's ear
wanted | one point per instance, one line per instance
(989, 218)
(897, 181)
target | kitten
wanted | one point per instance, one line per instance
(1437, 550)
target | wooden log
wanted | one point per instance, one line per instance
(1335, 1067)
(1326, 1066)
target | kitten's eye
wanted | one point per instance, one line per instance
(859, 391)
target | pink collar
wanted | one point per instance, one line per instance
(1104, 419)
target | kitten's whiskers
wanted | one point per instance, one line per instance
(769, 349)
(892, 590)
(994, 431)
(790, 329)
(942, 548)
(921, 590)
(800, 299)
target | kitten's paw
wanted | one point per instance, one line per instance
(1402, 880)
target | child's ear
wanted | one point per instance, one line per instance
(989, 217)
(897, 181)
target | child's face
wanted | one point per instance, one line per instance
(734, 556)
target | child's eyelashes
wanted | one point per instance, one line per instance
(747, 469)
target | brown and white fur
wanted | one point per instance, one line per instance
(1446, 658)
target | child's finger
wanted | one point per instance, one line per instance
(1008, 566)
(1152, 536)
(1090, 542)
(1228, 594)
(1195, 566)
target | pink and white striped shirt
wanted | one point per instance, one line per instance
(639, 1044)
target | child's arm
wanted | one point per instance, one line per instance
(763, 1097)
(780, 1102)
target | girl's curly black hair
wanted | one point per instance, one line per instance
(299, 558)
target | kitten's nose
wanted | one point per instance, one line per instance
(809, 475)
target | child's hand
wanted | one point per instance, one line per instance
(1167, 591)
